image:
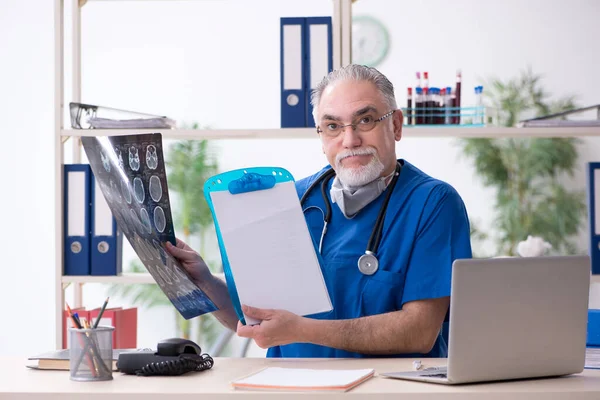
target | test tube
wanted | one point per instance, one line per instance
(457, 102)
(409, 119)
(478, 105)
(442, 118)
(448, 106)
(419, 106)
(426, 106)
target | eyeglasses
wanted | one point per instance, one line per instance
(363, 124)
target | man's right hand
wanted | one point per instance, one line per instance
(191, 261)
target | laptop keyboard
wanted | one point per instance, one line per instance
(439, 375)
(435, 372)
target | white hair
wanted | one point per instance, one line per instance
(358, 73)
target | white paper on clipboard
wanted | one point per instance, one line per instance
(270, 251)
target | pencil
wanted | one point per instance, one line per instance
(90, 359)
(100, 313)
(75, 320)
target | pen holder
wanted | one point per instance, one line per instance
(91, 354)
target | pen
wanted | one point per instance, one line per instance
(100, 313)
(79, 324)
(90, 360)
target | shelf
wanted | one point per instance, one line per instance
(310, 133)
(126, 278)
(496, 132)
(286, 133)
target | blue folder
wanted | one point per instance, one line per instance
(593, 201)
(293, 72)
(319, 57)
(106, 238)
(306, 46)
(76, 226)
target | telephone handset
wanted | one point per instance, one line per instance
(172, 357)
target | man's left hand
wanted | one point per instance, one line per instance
(278, 327)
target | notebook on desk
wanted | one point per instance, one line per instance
(514, 318)
(299, 379)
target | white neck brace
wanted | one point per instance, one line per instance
(353, 199)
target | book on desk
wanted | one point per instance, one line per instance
(59, 359)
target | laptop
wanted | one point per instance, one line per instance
(514, 318)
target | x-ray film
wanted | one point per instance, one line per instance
(130, 171)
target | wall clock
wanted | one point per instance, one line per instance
(370, 41)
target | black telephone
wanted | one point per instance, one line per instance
(172, 357)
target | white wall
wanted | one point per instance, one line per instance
(26, 159)
(217, 63)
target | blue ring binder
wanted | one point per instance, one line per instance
(240, 181)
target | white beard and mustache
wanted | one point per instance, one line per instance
(353, 178)
(354, 188)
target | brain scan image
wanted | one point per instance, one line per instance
(138, 190)
(105, 160)
(151, 157)
(138, 247)
(130, 172)
(119, 157)
(154, 248)
(155, 188)
(134, 158)
(121, 221)
(136, 221)
(106, 191)
(164, 275)
(115, 191)
(147, 249)
(143, 248)
(181, 273)
(157, 277)
(184, 299)
(175, 300)
(126, 189)
(146, 220)
(160, 222)
(172, 274)
(163, 255)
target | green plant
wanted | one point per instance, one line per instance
(189, 164)
(527, 172)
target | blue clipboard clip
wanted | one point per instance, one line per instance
(251, 182)
(237, 182)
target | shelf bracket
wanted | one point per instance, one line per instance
(82, 3)
(65, 285)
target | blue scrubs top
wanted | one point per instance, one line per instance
(425, 229)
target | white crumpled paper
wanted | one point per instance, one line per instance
(534, 246)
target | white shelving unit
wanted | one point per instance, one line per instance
(341, 56)
(342, 19)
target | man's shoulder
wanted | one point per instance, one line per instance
(426, 187)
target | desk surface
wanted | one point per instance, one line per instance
(19, 382)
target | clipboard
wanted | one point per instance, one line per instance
(268, 255)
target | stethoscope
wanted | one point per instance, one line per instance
(368, 263)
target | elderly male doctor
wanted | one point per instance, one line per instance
(394, 305)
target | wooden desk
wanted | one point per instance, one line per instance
(19, 382)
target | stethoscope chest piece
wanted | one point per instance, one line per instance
(368, 263)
